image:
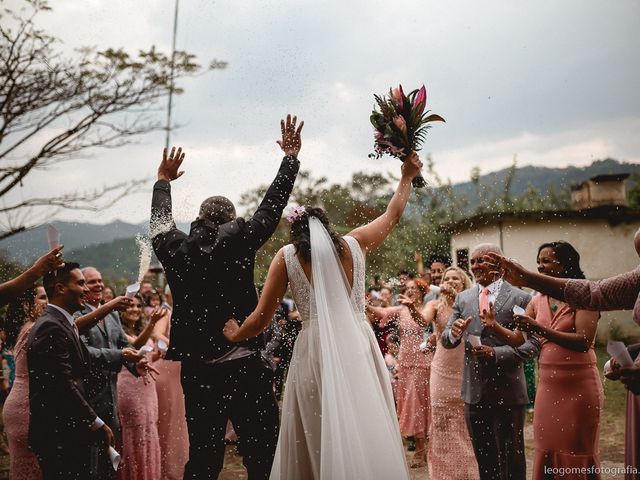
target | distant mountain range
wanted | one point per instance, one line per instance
(543, 178)
(112, 248)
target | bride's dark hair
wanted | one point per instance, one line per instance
(301, 238)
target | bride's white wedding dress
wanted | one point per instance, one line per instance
(338, 416)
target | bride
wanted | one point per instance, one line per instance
(338, 415)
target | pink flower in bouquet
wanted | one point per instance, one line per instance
(420, 101)
(398, 96)
(400, 122)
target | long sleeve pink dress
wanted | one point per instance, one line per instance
(23, 464)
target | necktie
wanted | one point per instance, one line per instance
(75, 330)
(484, 300)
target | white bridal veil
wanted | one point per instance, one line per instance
(360, 434)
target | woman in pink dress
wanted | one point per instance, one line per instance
(569, 399)
(172, 424)
(451, 454)
(412, 386)
(138, 405)
(21, 316)
(621, 292)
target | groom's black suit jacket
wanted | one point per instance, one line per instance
(210, 270)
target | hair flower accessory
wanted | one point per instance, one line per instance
(296, 213)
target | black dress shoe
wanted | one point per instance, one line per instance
(411, 446)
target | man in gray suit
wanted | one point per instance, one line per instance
(109, 350)
(493, 385)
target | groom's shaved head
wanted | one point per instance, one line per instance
(218, 209)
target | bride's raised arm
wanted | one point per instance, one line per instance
(275, 286)
(371, 235)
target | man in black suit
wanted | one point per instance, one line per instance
(210, 272)
(62, 424)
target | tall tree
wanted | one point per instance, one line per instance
(55, 107)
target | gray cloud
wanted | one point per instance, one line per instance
(554, 82)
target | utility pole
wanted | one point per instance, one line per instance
(173, 58)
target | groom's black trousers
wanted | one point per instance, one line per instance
(240, 390)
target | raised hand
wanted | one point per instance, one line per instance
(406, 301)
(49, 262)
(291, 141)
(459, 326)
(507, 268)
(411, 166)
(230, 329)
(157, 313)
(168, 169)
(120, 303)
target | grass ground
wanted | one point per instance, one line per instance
(611, 435)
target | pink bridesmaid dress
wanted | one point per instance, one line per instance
(569, 400)
(172, 424)
(412, 387)
(450, 452)
(23, 463)
(138, 410)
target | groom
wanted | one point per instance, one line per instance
(210, 272)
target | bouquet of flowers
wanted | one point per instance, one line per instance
(401, 124)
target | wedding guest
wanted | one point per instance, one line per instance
(450, 450)
(413, 404)
(383, 332)
(437, 268)
(631, 379)
(565, 424)
(138, 404)
(47, 263)
(62, 424)
(391, 360)
(621, 292)
(151, 301)
(108, 294)
(21, 316)
(146, 287)
(172, 424)
(493, 385)
(108, 347)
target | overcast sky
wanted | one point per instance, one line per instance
(554, 82)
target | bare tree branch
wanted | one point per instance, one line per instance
(54, 109)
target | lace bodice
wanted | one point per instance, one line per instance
(301, 289)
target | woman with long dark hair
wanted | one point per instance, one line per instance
(21, 316)
(138, 402)
(569, 397)
(338, 416)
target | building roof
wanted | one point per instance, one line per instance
(612, 177)
(614, 214)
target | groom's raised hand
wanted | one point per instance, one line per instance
(291, 141)
(168, 169)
